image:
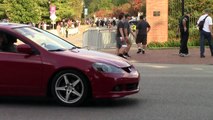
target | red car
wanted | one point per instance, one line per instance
(35, 62)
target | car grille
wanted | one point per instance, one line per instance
(125, 87)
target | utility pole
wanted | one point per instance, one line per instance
(182, 7)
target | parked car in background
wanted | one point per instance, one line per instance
(35, 62)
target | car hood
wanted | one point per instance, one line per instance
(96, 56)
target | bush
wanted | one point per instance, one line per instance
(155, 45)
(193, 43)
(194, 33)
(172, 43)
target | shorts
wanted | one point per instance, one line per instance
(129, 41)
(141, 39)
(120, 43)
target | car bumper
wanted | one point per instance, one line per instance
(114, 85)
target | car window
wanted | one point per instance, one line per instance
(44, 39)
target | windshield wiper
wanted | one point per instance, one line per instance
(56, 50)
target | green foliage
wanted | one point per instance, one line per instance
(195, 7)
(130, 6)
(155, 45)
(23, 11)
(194, 33)
(194, 42)
(102, 5)
(171, 43)
(119, 2)
(37, 10)
(68, 8)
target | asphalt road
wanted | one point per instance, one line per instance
(168, 92)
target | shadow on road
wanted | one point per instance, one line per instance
(46, 102)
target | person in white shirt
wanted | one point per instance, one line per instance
(206, 32)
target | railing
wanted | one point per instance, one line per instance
(73, 31)
(99, 38)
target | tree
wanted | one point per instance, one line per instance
(119, 2)
(127, 6)
(68, 8)
(37, 10)
(2, 10)
(195, 7)
(23, 11)
(44, 7)
(102, 5)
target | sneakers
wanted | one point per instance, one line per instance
(121, 55)
(139, 50)
(202, 56)
(126, 55)
(143, 52)
(183, 54)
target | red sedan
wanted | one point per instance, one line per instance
(35, 62)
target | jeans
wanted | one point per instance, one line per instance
(205, 35)
(183, 42)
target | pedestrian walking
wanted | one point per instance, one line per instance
(183, 29)
(206, 32)
(127, 31)
(120, 38)
(142, 29)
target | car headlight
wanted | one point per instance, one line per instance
(102, 67)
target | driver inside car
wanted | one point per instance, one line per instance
(1, 41)
(8, 44)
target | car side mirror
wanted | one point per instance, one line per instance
(24, 48)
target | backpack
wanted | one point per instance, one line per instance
(201, 23)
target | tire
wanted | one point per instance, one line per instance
(70, 88)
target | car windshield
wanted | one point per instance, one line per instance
(45, 39)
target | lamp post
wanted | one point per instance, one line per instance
(182, 4)
(49, 2)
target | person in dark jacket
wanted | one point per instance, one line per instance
(142, 29)
(184, 34)
(127, 32)
(120, 36)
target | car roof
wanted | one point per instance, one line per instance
(11, 25)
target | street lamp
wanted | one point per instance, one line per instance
(49, 3)
(182, 7)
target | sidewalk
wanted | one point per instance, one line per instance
(166, 56)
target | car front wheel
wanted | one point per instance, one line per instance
(70, 88)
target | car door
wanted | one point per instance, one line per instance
(20, 74)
